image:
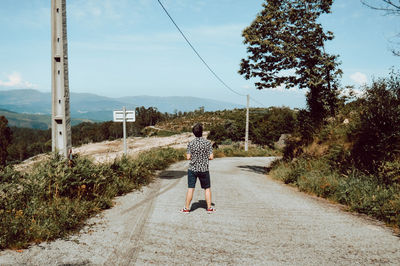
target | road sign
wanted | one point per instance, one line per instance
(129, 117)
(119, 116)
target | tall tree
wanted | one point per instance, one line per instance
(5, 139)
(390, 7)
(286, 47)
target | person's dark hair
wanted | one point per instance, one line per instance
(198, 130)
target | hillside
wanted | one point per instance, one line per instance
(354, 157)
(34, 121)
(95, 107)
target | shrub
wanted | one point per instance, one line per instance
(266, 126)
(305, 126)
(237, 151)
(339, 157)
(362, 193)
(55, 199)
(292, 149)
(389, 172)
(377, 137)
(229, 130)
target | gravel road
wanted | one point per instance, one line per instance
(258, 222)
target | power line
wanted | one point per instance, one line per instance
(204, 62)
(254, 100)
(201, 58)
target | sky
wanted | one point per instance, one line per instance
(122, 48)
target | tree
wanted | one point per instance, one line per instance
(147, 116)
(5, 139)
(390, 7)
(286, 47)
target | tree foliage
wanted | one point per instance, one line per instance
(377, 137)
(266, 126)
(286, 48)
(5, 139)
(27, 142)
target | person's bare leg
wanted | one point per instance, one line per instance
(207, 193)
(189, 196)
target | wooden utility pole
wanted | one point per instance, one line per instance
(246, 143)
(61, 121)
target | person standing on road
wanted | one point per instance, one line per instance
(199, 152)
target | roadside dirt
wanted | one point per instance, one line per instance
(109, 150)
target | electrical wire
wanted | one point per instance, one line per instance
(254, 100)
(204, 62)
(201, 58)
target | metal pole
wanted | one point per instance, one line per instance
(61, 121)
(124, 126)
(246, 143)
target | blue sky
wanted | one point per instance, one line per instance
(129, 47)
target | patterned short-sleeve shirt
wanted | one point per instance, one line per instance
(200, 150)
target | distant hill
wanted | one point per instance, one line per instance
(95, 107)
(32, 120)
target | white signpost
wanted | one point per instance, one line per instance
(124, 116)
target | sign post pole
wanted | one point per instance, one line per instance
(124, 126)
(124, 116)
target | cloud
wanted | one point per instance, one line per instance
(225, 35)
(351, 92)
(15, 81)
(282, 88)
(97, 11)
(359, 78)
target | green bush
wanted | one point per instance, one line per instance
(362, 193)
(55, 199)
(266, 126)
(339, 157)
(356, 163)
(389, 172)
(377, 136)
(292, 149)
(305, 126)
(237, 151)
(232, 130)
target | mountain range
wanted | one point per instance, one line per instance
(33, 120)
(99, 108)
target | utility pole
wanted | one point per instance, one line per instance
(246, 143)
(61, 121)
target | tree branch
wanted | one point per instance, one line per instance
(391, 6)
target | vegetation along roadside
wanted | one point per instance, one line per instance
(55, 199)
(354, 157)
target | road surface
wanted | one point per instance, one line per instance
(258, 222)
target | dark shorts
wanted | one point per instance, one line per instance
(204, 178)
